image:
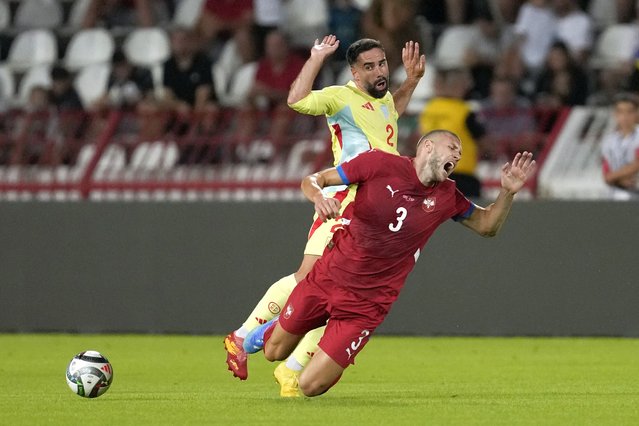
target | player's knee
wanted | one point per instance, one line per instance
(311, 388)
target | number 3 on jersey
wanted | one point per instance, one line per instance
(391, 132)
(401, 215)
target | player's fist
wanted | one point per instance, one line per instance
(326, 207)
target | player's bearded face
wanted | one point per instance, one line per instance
(378, 88)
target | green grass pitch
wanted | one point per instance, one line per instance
(180, 380)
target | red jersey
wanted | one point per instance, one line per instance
(393, 216)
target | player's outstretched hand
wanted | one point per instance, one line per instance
(326, 207)
(326, 47)
(414, 63)
(515, 175)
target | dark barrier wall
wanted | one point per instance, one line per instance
(557, 268)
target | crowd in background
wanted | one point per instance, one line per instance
(244, 54)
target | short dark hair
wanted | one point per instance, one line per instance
(626, 97)
(439, 132)
(362, 45)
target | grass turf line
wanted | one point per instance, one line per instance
(179, 380)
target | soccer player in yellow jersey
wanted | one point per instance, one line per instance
(361, 115)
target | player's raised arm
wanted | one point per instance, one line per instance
(415, 65)
(303, 84)
(487, 221)
(325, 207)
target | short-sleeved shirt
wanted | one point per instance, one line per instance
(618, 150)
(357, 121)
(279, 79)
(184, 83)
(392, 218)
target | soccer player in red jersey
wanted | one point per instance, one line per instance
(400, 202)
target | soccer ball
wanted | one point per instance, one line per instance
(89, 374)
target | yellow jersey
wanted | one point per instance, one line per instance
(357, 121)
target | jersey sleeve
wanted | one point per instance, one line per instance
(463, 207)
(361, 167)
(318, 102)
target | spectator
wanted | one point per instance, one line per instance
(484, 53)
(188, 82)
(448, 110)
(276, 71)
(508, 120)
(222, 20)
(36, 129)
(125, 13)
(127, 86)
(534, 30)
(267, 16)
(620, 150)
(392, 22)
(574, 29)
(63, 95)
(563, 82)
(344, 19)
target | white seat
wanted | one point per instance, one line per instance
(31, 48)
(91, 82)
(452, 44)
(615, 45)
(187, 13)
(7, 86)
(303, 20)
(36, 76)
(90, 46)
(147, 46)
(5, 15)
(77, 13)
(233, 89)
(38, 14)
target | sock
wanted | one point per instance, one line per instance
(306, 348)
(293, 364)
(270, 305)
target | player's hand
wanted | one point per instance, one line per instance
(326, 207)
(414, 63)
(515, 175)
(325, 48)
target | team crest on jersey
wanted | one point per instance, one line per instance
(289, 311)
(429, 204)
(369, 106)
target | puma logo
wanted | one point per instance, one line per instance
(391, 190)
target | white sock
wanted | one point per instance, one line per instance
(293, 364)
(242, 332)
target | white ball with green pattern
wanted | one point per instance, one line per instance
(89, 374)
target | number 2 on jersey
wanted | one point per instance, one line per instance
(391, 133)
(401, 215)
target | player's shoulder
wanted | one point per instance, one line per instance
(385, 159)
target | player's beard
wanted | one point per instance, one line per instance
(374, 91)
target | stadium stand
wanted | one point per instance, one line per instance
(184, 162)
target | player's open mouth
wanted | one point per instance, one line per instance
(381, 84)
(448, 167)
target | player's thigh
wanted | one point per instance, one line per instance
(281, 343)
(307, 264)
(320, 374)
(305, 309)
(344, 339)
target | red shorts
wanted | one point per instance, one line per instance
(351, 320)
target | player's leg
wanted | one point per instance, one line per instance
(321, 373)
(343, 339)
(266, 309)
